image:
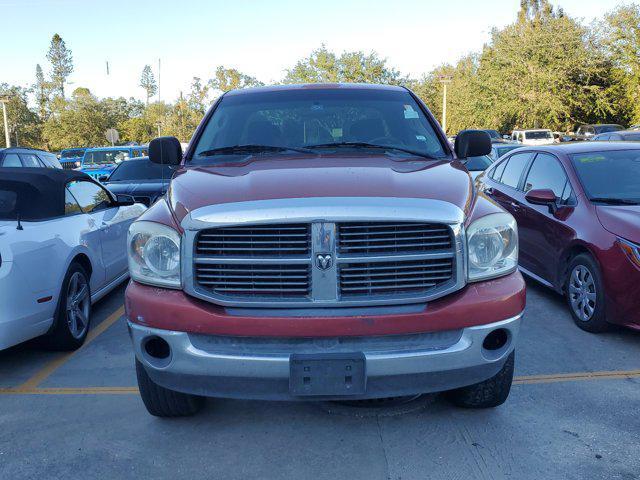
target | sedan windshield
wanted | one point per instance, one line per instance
(610, 177)
(141, 170)
(317, 121)
(103, 157)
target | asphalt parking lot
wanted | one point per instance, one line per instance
(573, 413)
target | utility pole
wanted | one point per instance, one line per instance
(159, 81)
(444, 80)
(4, 101)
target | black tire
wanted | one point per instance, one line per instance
(596, 322)
(162, 402)
(62, 335)
(488, 394)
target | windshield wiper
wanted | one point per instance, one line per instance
(371, 145)
(615, 201)
(234, 149)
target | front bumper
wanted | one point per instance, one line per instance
(258, 367)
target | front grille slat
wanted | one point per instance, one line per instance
(395, 239)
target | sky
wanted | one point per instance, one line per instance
(260, 38)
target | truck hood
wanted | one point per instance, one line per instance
(325, 176)
(623, 221)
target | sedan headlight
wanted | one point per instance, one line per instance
(631, 249)
(154, 254)
(492, 246)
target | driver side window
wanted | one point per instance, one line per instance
(90, 196)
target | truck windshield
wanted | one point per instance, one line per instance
(610, 176)
(316, 120)
(103, 157)
(538, 135)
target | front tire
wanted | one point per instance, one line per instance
(162, 402)
(585, 294)
(73, 313)
(488, 394)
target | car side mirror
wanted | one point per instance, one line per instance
(103, 178)
(125, 200)
(472, 143)
(542, 196)
(165, 151)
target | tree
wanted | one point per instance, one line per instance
(323, 66)
(148, 82)
(21, 119)
(61, 63)
(41, 90)
(226, 79)
(198, 96)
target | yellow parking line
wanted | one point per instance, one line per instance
(44, 373)
(521, 380)
(577, 376)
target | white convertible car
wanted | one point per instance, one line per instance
(62, 247)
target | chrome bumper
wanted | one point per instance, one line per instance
(239, 369)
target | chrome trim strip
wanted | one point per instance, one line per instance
(323, 214)
(108, 287)
(535, 277)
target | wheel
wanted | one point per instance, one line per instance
(585, 294)
(163, 402)
(73, 312)
(487, 394)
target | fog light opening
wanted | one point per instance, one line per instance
(496, 340)
(157, 348)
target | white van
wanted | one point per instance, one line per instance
(533, 137)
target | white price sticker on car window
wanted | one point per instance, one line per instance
(409, 112)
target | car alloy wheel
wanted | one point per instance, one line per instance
(78, 304)
(582, 292)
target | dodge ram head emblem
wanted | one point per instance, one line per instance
(324, 261)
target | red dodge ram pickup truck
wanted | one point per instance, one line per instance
(322, 242)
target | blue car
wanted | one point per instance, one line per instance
(99, 162)
(71, 158)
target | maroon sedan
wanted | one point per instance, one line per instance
(578, 212)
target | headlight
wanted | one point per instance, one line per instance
(631, 249)
(492, 246)
(154, 254)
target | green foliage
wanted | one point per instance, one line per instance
(226, 79)
(20, 118)
(148, 82)
(61, 63)
(323, 66)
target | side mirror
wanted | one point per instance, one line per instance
(125, 200)
(165, 151)
(472, 143)
(103, 178)
(542, 196)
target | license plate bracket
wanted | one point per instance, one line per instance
(339, 374)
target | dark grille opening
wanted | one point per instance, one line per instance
(392, 238)
(384, 278)
(285, 281)
(285, 240)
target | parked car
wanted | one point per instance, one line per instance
(477, 165)
(144, 180)
(27, 157)
(620, 136)
(100, 162)
(500, 149)
(63, 247)
(318, 251)
(578, 213)
(538, 136)
(71, 158)
(587, 132)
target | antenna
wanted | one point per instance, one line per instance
(19, 227)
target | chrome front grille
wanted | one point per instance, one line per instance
(398, 277)
(284, 240)
(254, 280)
(323, 263)
(392, 238)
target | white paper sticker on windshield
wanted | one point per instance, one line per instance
(409, 112)
(422, 138)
